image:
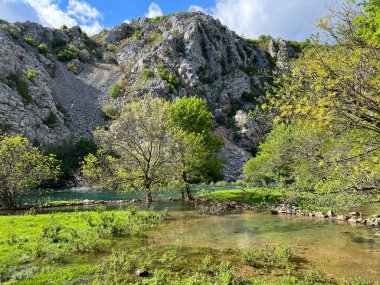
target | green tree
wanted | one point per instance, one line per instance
(135, 152)
(22, 168)
(332, 92)
(195, 146)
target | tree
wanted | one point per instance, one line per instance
(332, 91)
(22, 168)
(135, 152)
(195, 146)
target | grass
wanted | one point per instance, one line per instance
(37, 248)
(108, 247)
(250, 196)
(307, 201)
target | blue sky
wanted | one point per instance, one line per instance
(289, 19)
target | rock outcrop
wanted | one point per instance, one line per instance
(184, 54)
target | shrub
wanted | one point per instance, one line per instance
(68, 54)
(175, 32)
(74, 67)
(249, 70)
(64, 27)
(170, 78)
(58, 43)
(42, 49)
(111, 47)
(51, 119)
(31, 75)
(147, 74)
(21, 87)
(110, 112)
(30, 40)
(268, 257)
(138, 34)
(116, 91)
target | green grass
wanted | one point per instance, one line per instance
(250, 196)
(62, 246)
(307, 201)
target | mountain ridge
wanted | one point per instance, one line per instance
(184, 54)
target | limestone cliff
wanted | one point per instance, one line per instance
(54, 82)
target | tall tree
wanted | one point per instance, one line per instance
(22, 168)
(135, 152)
(332, 93)
(196, 147)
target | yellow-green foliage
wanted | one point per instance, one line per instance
(42, 49)
(23, 167)
(30, 40)
(330, 102)
(31, 75)
(135, 152)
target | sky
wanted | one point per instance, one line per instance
(288, 19)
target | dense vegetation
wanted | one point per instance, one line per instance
(326, 110)
(23, 167)
(153, 145)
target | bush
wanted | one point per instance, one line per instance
(74, 67)
(42, 49)
(21, 87)
(31, 75)
(147, 74)
(68, 54)
(138, 34)
(111, 47)
(71, 153)
(116, 91)
(58, 43)
(110, 112)
(30, 40)
(51, 119)
(268, 257)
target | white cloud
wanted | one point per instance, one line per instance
(154, 11)
(290, 19)
(127, 21)
(82, 10)
(48, 13)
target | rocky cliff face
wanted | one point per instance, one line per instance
(178, 55)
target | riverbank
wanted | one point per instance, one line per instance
(140, 247)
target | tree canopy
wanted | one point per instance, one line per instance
(329, 105)
(135, 152)
(22, 168)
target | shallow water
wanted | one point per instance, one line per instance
(338, 249)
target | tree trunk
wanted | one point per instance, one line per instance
(187, 187)
(148, 198)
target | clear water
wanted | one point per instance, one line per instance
(339, 249)
(91, 194)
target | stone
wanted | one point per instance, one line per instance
(355, 214)
(342, 217)
(330, 214)
(319, 215)
(142, 273)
